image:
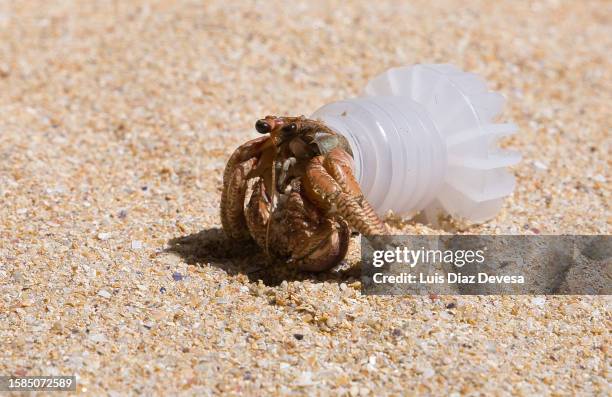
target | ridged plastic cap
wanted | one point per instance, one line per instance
(431, 130)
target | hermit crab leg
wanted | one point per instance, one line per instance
(232, 201)
(248, 150)
(327, 246)
(235, 177)
(340, 166)
(258, 213)
(324, 185)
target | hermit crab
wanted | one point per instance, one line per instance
(304, 199)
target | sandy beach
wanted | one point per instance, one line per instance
(117, 118)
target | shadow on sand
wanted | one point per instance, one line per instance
(211, 246)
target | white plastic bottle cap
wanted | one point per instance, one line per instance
(423, 138)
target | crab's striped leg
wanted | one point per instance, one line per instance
(246, 151)
(258, 213)
(329, 182)
(232, 202)
(235, 177)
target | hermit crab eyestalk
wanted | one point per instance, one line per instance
(290, 128)
(262, 126)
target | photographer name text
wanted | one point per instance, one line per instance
(448, 278)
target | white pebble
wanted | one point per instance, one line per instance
(97, 337)
(539, 301)
(599, 178)
(428, 372)
(136, 244)
(104, 294)
(305, 379)
(104, 236)
(540, 165)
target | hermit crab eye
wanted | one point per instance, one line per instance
(262, 127)
(290, 128)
